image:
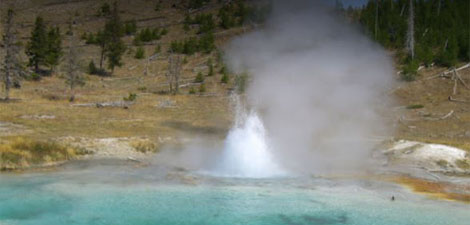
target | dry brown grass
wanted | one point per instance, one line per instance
(21, 153)
(144, 146)
(144, 119)
(433, 95)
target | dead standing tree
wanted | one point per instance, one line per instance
(73, 76)
(173, 74)
(12, 70)
(410, 40)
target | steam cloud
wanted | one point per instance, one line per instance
(317, 82)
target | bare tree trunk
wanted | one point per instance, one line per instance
(402, 10)
(73, 74)
(12, 67)
(174, 68)
(410, 36)
(439, 7)
(376, 17)
(7, 85)
(102, 57)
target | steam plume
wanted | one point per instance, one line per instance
(317, 82)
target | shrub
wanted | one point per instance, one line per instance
(140, 53)
(223, 70)
(415, 106)
(93, 70)
(206, 43)
(157, 7)
(199, 78)
(90, 39)
(158, 49)
(225, 78)
(463, 164)
(35, 76)
(410, 70)
(147, 35)
(144, 146)
(130, 27)
(202, 88)
(104, 10)
(211, 70)
(132, 97)
(192, 45)
(91, 67)
(192, 91)
(442, 163)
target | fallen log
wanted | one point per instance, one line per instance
(457, 100)
(454, 92)
(456, 74)
(446, 73)
(458, 69)
(403, 118)
(116, 104)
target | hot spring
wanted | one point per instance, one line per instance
(93, 193)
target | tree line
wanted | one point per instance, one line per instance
(422, 31)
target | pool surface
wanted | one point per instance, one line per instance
(138, 197)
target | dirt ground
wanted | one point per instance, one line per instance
(425, 112)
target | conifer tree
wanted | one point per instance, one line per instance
(101, 40)
(37, 46)
(54, 47)
(115, 47)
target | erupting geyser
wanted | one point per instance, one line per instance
(246, 151)
(316, 92)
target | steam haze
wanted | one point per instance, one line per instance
(317, 83)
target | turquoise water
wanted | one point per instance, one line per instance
(139, 198)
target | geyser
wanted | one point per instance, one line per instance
(247, 151)
(316, 86)
(319, 83)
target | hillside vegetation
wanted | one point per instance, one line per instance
(152, 71)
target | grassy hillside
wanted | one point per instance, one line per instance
(41, 112)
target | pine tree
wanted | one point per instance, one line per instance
(140, 53)
(37, 46)
(54, 48)
(199, 78)
(115, 47)
(12, 69)
(101, 40)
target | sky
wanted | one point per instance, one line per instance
(354, 3)
(347, 3)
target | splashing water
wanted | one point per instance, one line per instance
(246, 151)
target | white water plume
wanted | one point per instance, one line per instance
(247, 151)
